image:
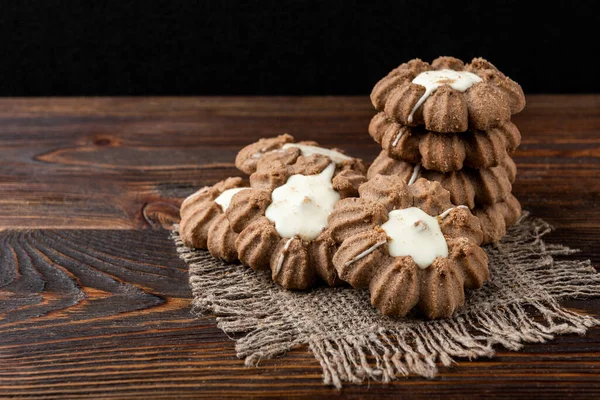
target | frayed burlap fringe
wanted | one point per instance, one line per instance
(353, 342)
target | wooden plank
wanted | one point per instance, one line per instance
(105, 314)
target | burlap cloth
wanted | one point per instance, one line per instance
(353, 342)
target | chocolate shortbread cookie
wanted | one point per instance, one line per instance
(447, 95)
(409, 245)
(203, 223)
(468, 186)
(497, 218)
(282, 149)
(271, 173)
(282, 220)
(445, 152)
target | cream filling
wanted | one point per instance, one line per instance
(308, 150)
(224, 198)
(282, 256)
(301, 206)
(397, 139)
(431, 80)
(415, 174)
(366, 252)
(412, 232)
(447, 212)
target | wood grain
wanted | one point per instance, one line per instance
(105, 313)
(94, 301)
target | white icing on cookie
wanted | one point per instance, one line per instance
(366, 252)
(282, 256)
(225, 198)
(307, 150)
(415, 174)
(397, 139)
(301, 206)
(412, 232)
(431, 80)
(445, 213)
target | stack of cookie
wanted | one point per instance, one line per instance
(450, 122)
(410, 230)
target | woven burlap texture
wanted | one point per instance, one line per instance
(353, 343)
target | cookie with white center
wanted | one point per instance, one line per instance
(203, 223)
(283, 149)
(448, 96)
(282, 221)
(409, 245)
(468, 186)
(347, 177)
(445, 152)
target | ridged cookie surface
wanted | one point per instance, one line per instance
(445, 152)
(468, 186)
(488, 103)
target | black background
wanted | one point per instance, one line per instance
(335, 47)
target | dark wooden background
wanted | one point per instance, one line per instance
(94, 302)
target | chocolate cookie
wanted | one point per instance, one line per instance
(496, 218)
(282, 149)
(409, 245)
(470, 187)
(448, 96)
(445, 152)
(271, 173)
(282, 220)
(203, 223)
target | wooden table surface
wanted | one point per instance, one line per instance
(94, 302)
